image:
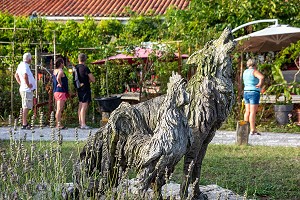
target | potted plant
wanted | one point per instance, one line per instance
(109, 102)
(282, 89)
(283, 106)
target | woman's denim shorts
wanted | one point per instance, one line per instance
(251, 97)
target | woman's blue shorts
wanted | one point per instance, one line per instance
(251, 97)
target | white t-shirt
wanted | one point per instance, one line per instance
(23, 68)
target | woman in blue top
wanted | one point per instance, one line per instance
(253, 81)
(60, 89)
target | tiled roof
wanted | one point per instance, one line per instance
(94, 8)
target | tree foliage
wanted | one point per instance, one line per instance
(202, 21)
(140, 29)
(206, 18)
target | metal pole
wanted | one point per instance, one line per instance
(54, 59)
(179, 58)
(54, 49)
(106, 80)
(36, 74)
(255, 22)
(190, 68)
(12, 72)
(12, 88)
(240, 78)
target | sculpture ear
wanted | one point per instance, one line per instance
(182, 97)
(193, 59)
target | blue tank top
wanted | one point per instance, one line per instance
(64, 81)
(250, 81)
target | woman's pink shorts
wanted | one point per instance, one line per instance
(61, 96)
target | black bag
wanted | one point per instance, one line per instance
(76, 80)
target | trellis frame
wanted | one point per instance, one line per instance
(36, 66)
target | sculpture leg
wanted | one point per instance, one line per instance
(196, 174)
(159, 183)
(196, 155)
(146, 176)
(189, 161)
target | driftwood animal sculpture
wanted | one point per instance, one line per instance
(211, 99)
(152, 152)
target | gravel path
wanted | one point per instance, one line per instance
(221, 137)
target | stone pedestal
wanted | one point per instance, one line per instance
(171, 190)
(242, 132)
(128, 190)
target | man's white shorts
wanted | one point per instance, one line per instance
(27, 99)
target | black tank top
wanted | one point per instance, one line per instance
(64, 81)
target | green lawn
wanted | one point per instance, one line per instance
(257, 171)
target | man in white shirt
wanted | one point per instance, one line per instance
(27, 84)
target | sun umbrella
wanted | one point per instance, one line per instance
(272, 38)
(140, 53)
(120, 57)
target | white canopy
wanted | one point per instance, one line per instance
(272, 38)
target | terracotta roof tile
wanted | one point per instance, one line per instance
(144, 8)
(95, 8)
(65, 9)
(142, 4)
(159, 6)
(53, 8)
(105, 9)
(119, 7)
(111, 9)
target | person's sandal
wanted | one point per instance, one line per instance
(85, 127)
(254, 133)
(26, 127)
(62, 128)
